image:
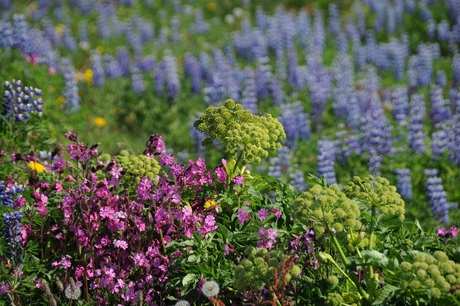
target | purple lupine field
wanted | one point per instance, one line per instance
(196, 152)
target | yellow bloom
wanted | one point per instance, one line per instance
(88, 76)
(36, 167)
(211, 6)
(100, 49)
(99, 122)
(60, 100)
(209, 204)
(60, 29)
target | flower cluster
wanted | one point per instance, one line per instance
(20, 102)
(9, 193)
(242, 133)
(259, 267)
(137, 167)
(328, 207)
(13, 236)
(376, 192)
(435, 272)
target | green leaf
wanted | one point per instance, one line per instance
(385, 293)
(188, 279)
(372, 257)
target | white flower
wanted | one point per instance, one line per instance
(182, 303)
(210, 289)
(72, 292)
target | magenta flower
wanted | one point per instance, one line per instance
(262, 214)
(243, 216)
(442, 232)
(120, 244)
(221, 174)
(238, 180)
(454, 231)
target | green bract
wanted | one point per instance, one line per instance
(243, 134)
(376, 192)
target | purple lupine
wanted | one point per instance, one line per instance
(347, 144)
(20, 102)
(137, 81)
(446, 138)
(249, 95)
(9, 194)
(344, 77)
(98, 70)
(280, 164)
(326, 160)
(124, 61)
(456, 70)
(69, 41)
(103, 27)
(13, 237)
(436, 196)
(304, 28)
(417, 114)
(455, 100)
(397, 55)
(443, 30)
(276, 91)
(133, 38)
(400, 101)
(200, 26)
(111, 67)
(192, 69)
(6, 35)
(174, 26)
(376, 139)
(70, 91)
(334, 19)
(319, 35)
(171, 76)
(404, 183)
(263, 76)
(296, 123)
(439, 107)
(145, 64)
(342, 43)
(297, 179)
(21, 34)
(292, 68)
(319, 81)
(159, 78)
(441, 79)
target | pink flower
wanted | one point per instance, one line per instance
(442, 232)
(238, 180)
(262, 214)
(454, 231)
(243, 216)
(221, 174)
(120, 244)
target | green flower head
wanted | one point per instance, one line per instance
(242, 133)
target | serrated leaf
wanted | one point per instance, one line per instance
(385, 293)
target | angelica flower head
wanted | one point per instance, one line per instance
(242, 133)
(377, 192)
(210, 289)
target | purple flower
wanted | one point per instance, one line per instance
(262, 214)
(454, 231)
(221, 174)
(442, 232)
(238, 180)
(243, 216)
(120, 244)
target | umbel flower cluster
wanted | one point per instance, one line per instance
(433, 272)
(20, 101)
(137, 167)
(245, 136)
(376, 192)
(326, 207)
(260, 267)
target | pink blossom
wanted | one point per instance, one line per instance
(120, 244)
(454, 231)
(238, 180)
(262, 214)
(221, 174)
(243, 216)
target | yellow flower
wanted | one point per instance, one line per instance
(99, 122)
(209, 204)
(211, 6)
(60, 29)
(36, 167)
(88, 76)
(100, 49)
(60, 100)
